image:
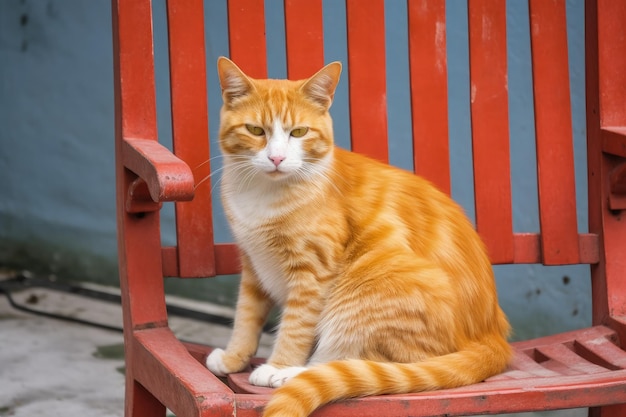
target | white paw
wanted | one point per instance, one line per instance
(215, 363)
(270, 376)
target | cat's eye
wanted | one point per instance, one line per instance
(298, 132)
(255, 130)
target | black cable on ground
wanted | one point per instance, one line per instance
(20, 282)
(46, 314)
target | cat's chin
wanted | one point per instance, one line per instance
(277, 175)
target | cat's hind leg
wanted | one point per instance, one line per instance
(392, 306)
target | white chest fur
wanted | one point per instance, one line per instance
(250, 213)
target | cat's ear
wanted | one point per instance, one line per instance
(235, 84)
(321, 87)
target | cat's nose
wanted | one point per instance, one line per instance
(276, 159)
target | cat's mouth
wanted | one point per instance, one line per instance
(277, 174)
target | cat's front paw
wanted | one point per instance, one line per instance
(270, 376)
(221, 363)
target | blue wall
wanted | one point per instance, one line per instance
(57, 210)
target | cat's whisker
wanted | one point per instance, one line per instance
(207, 177)
(236, 161)
(211, 159)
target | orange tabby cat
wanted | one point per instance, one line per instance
(384, 284)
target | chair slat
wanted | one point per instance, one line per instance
(190, 132)
(553, 131)
(367, 83)
(574, 362)
(429, 91)
(137, 98)
(304, 33)
(490, 127)
(612, 77)
(246, 36)
(527, 249)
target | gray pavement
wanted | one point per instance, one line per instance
(56, 368)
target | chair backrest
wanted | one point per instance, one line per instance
(557, 242)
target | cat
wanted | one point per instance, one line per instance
(385, 286)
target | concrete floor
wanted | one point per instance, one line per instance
(55, 368)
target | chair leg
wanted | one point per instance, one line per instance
(140, 403)
(618, 410)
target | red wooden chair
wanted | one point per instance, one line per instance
(584, 368)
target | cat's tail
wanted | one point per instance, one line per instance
(338, 380)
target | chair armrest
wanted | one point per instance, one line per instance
(614, 140)
(167, 177)
(614, 143)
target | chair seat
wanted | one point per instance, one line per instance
(561, 370)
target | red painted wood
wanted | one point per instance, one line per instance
(169, 257)
(304, 36)
(614, 222)
(614, 140)
(454, 404)
(608, 284)
(142, 292)
(612, 76)
(138, 198)
(429, 91)
(183, 385)
(366, 68)
(553, 131)
(490, 127)
(168, 178)
(135, 117)
(139, 401)
(227, 259)
(134, 75)
(617, 187)
(246, 36)
(190, 132)
(601, 351)
(594, 160)
(527, 248)
(569, 362)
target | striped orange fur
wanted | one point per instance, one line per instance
(385, 287)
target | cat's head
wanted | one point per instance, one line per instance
(277, 128)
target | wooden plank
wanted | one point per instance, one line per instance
(601, 351)
(536, 394)
(304, 36)
(168, 178)
(169, 259)
(190, 133)
(134, 75)
(575, 363)
(527, 367)
(612, 65)
(135, 117)
(553, 132)
(227, 259)
(605, 41)
(246, 36)
(429, 91)
(367, 80)
(490, 127)
(614, 140)
(527, 249)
